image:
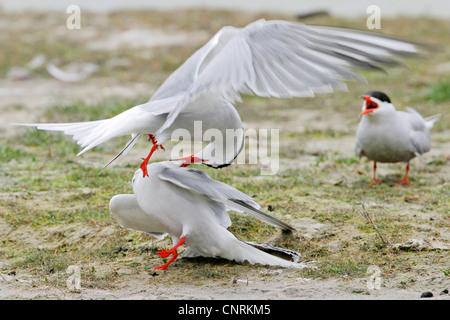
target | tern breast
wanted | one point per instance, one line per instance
(385, 139)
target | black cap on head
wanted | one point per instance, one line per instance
(378, 95)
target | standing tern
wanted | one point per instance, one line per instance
(267, 58)
(192, 208)
(387, 135)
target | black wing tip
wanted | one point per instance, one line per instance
(220, 166)
(289, 230)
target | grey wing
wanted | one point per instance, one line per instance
(183, 77)
(419, 132)
(285, 59)
(198, 181)
(416, 121)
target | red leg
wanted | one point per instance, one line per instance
(173, 252)
(405, 179)
(145, 162)
(374, 179)
(152, 139)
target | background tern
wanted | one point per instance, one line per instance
(387, 135)
(192, 208)
(267, 58)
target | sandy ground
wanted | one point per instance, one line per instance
(254, 283)
(274, 284)
(260, 283)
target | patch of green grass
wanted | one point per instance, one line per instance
(49, 187)
(8, 153)
(44, 260)
(347, 161)
(439, 92)
(215, 271)
(347, 267)
(81, 111)
(55, 143)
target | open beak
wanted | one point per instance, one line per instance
(189, 160)
(371, 106)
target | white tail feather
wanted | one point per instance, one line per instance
(93, 133)
(429, 121)
(244, 252)
(87, 134)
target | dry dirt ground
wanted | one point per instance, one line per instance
(319, 187)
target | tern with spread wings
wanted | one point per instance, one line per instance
(266, 58)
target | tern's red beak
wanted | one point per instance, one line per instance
(371, 106)
(190, 160)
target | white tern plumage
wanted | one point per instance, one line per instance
(192, 208)
(387, 135)
(267, 58)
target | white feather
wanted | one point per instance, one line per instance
(164, 203)
(266, 58)
(387, 135)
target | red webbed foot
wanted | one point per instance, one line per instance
(166, 253)
(404, 181)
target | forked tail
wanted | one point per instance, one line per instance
(93, 133)
(429, 121)
(245, 252)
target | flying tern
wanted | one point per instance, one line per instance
(273, 58)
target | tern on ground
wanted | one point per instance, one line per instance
(387, 135)
(192, 208)
(266, 58)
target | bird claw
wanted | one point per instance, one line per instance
(164, 253)
(403, 182)
(163, 267)
(145, 162)
(153, 140)
(376, 181)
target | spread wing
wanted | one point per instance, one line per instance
(278, 59)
